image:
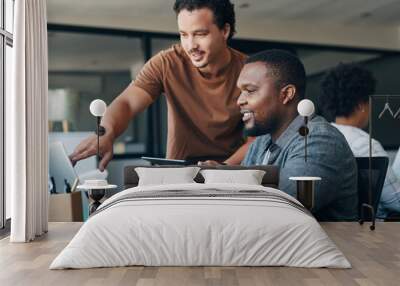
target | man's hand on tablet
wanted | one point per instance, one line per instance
(88, 147)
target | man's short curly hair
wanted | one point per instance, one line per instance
(344, 87)
(223, 11)
(285, 67)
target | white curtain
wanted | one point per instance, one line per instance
(26, 123)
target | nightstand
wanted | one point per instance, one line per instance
(96, 189)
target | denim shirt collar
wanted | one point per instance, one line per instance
(276, 147)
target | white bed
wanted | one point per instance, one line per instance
(224, 225)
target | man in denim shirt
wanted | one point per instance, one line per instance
(272, 84)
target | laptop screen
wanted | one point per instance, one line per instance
(60, 167)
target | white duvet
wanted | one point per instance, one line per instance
(206, 230)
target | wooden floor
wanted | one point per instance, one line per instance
(375, 256)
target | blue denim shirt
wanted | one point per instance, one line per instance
(328, 157)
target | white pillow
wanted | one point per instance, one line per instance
(163, 176)
(248, 177)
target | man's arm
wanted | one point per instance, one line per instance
(132, 101)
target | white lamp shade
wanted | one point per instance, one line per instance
(98, 107)
(306, 107)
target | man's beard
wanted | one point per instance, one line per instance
(203, 65)
(258, 129)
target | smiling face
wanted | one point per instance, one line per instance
(201, 38)
(260, 100)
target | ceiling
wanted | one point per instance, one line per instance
(354, 12)
(372, 24)
(356, 23)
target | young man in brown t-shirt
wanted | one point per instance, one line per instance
(198, 78)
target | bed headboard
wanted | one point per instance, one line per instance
(270, 179)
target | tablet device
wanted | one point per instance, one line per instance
(60, 167)
(163, 161)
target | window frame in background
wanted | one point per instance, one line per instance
(6, 40)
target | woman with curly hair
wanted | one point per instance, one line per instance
(345, 97)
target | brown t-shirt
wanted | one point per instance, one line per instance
(203, 118)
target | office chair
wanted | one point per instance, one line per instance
(369, 197)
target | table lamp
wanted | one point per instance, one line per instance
(97, 188)
(305, 184)
(306, 109)
(98, 108)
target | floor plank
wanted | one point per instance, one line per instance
(374, 255)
